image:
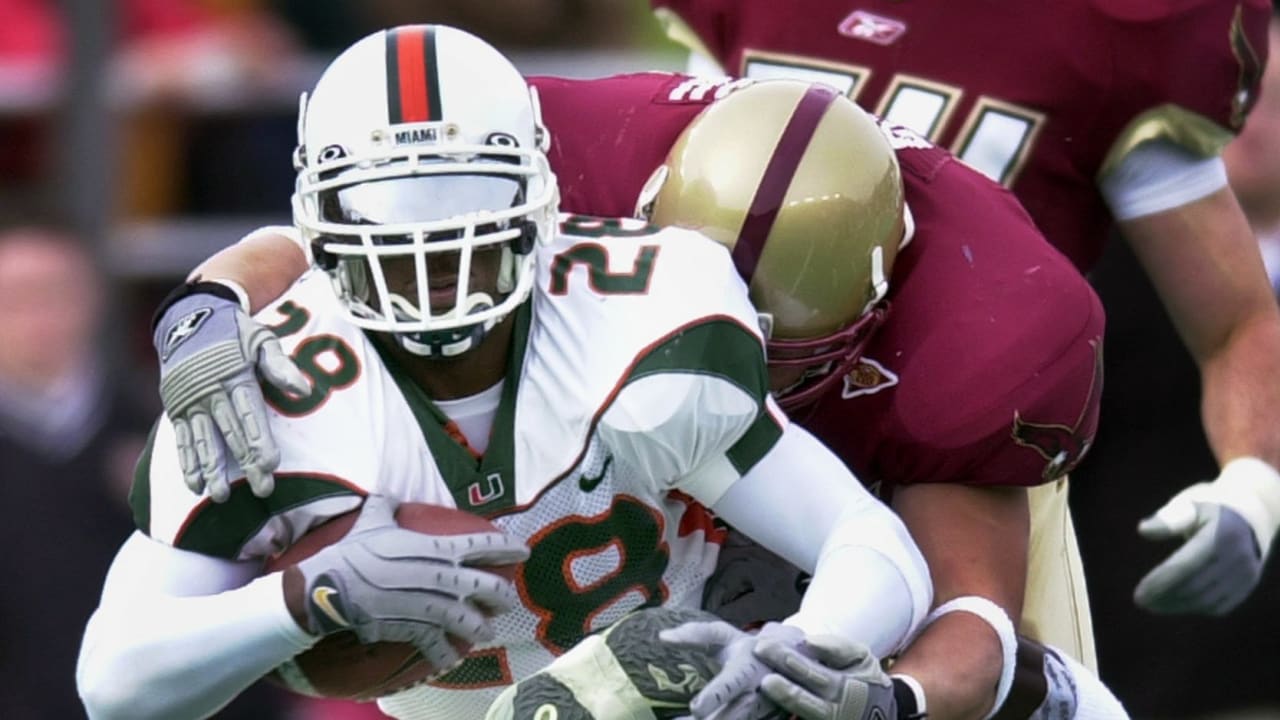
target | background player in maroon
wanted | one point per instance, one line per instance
(983, 380)
(1093, 113)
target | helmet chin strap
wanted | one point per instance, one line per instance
(445, 343)
(452, 341)
(507, 271)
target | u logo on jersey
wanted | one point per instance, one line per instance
(485, 491)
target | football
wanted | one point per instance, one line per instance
(340, 666)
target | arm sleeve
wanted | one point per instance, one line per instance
(870, 582)
(178, 634)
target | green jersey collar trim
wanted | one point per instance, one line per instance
(485, 486)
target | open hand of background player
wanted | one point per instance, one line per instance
(386, 583)
(731, 694)
(209, 349)
(841, 681)
(1228, 524)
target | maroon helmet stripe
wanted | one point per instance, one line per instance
(777, 178)
(413, 85)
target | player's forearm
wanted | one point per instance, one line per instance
(957, 661)
(171, 658)
(975, 540)
(870, 583)
(1204, 262)
(1241, 413)
(1241, 392)
(265, 263)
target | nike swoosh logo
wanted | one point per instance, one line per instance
(590, 483)
(322, 598)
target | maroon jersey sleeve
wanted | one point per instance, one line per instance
(988, 370)
(609, 134)
(1058, 95)
(1197, 61)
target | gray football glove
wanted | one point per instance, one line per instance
(842, 681)
(1214, 570)
(209, 348)
(1229, 524)
(731, 694)
(386, 583)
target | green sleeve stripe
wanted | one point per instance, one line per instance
(754, 443)
(222, 529)
(716, 345)
(723, 347)
(140, 491)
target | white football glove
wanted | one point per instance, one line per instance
(1228, 524)
(841, 681)
(731, 694)
(209, 349)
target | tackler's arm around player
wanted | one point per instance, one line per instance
(212, 353)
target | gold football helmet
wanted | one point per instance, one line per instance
(804, 189)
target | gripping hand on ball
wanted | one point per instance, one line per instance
(386, 583)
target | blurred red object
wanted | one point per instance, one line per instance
(33, 31)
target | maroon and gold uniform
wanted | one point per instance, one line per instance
(988, 370)
(1059, 93)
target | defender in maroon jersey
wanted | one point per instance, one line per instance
(980, 304)
(1099, 115)
(986, 373)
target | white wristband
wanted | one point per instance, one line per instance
(1251, 487)
(995, 616)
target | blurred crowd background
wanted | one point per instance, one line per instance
(139, 136)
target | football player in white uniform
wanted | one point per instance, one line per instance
(465, 345)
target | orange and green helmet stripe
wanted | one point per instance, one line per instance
(413, 79)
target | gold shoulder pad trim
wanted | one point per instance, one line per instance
(1189, 130)
(678, 30)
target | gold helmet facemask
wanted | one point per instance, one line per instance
(804, 189)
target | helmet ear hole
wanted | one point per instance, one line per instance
(323, 259)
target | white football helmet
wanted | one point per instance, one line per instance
(420, 147)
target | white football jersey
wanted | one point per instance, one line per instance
(636, 382)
